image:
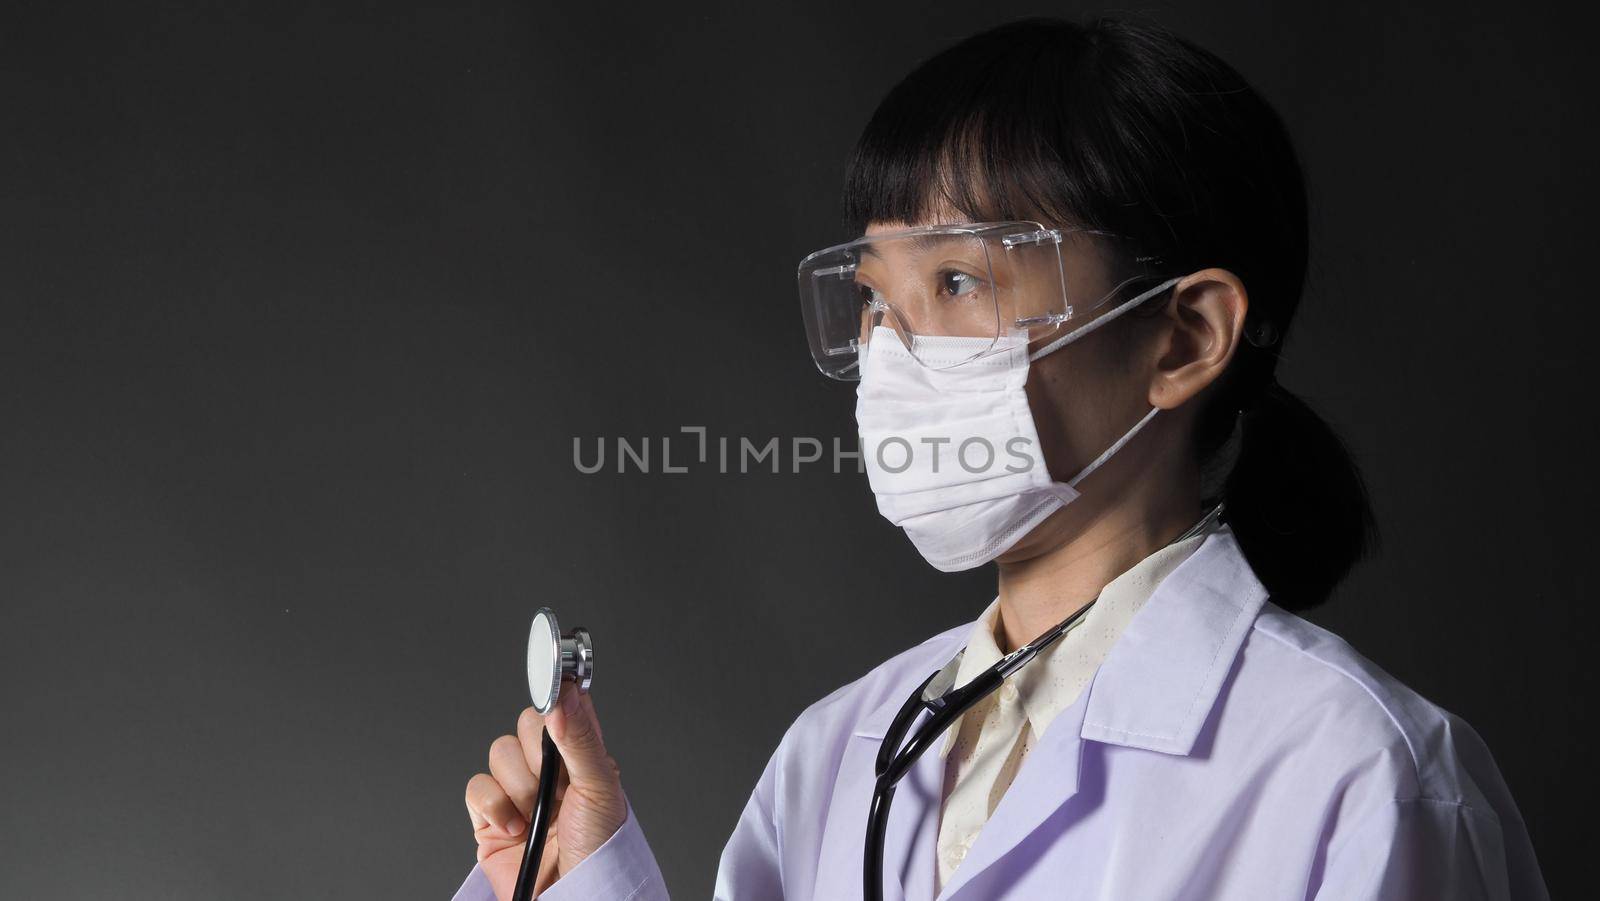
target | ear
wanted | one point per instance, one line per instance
(1202, 325)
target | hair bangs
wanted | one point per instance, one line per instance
(959, 139)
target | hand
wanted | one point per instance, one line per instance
(589, 806)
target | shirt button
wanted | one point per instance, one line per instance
(1008, 692)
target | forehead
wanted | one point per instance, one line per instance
(890, 226)
(940, 212)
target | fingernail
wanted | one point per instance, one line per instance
(513, 827)
(569, 702)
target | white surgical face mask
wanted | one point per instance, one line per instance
(952, 454)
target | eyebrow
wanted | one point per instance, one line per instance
(920, 243)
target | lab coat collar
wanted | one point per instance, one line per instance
(1154, 692)
(1044, 683)
(1161, 679)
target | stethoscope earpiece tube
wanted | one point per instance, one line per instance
(552, 659)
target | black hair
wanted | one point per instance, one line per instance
(1123, 127)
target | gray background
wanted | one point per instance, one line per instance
(304, 306)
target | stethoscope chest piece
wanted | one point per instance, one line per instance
(553, 657)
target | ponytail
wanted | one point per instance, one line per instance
(1296, 500)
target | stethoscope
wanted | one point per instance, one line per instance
(552, 658)
(938, 694)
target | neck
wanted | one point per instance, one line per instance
(1085, 553)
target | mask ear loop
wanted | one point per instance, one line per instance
(1085, 329)
(1111, 451)
(1069, 490)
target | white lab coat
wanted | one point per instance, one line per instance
(1226, 749)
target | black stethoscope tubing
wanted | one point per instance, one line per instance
(549, 772)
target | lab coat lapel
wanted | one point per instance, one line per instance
(913, 830)
(1047, 780)
(1153, 692)
(912, 838)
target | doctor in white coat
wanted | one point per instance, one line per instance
(1082, 248)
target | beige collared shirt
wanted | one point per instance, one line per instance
(985, 748)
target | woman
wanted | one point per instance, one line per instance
(1082, 249)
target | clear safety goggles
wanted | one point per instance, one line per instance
(985, 281)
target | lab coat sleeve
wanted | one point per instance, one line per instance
(621, 869)
(751, 865)
(1421, 848)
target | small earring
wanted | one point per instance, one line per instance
(1261, 334)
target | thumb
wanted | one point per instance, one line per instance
(576, 732)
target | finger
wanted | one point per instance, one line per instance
(488, 805)
(576, 731)
(491, 841)
(509, 768)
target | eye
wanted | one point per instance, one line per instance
(956, 283)
(869, 295)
